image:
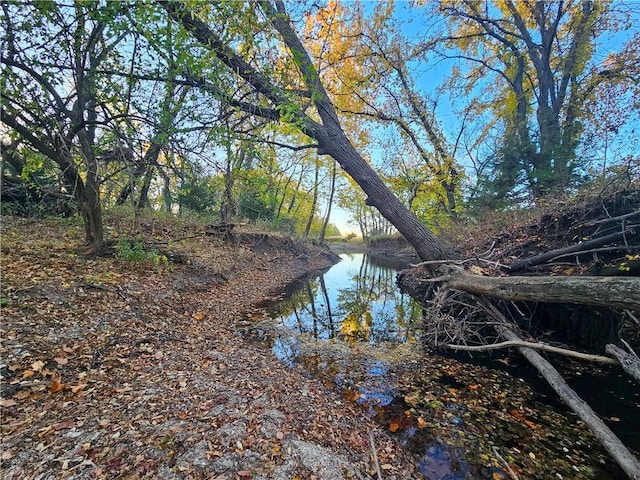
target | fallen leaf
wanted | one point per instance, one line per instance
(421, 422)
(57, 386)
(9, 402)
(386, 466)
(61, 360)
(22, 395)
(28, 374)
(64, 425)
(78, 388)
(37, 365)
(531, 425)
(6, 455)
(394, 427)
(198, 315)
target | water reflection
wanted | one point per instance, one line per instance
(355, 300)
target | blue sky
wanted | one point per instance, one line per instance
(431, 76)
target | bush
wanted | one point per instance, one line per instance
(136, 253)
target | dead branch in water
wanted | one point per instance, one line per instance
(537, 346)
(611, 443)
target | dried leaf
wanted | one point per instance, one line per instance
(64, 425)
(78, 388)
(61, 360)
(37, 365)
(57, 386)
(394, 427)
(22, 395)
(198, 315)
(9, 402)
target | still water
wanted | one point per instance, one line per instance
(355, 300)
(352, 328)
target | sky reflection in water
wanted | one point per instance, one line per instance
(356, 300)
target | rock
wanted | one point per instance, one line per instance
(317, 460)
(195, 457)
(230, 433)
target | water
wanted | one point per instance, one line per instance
(355, 300)
(353, 329)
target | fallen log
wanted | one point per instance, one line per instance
(631, 232)
(611, 443)
(539, 346)
(613, 292)
(629, 363)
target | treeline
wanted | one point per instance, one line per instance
(244, 110)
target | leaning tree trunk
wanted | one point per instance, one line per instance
(333, 142)
(328, 133)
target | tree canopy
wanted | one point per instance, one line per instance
(243, 109)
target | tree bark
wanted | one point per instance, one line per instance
(630, 363)
(613, 292)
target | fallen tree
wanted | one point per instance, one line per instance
(477, 304)
(630, 363)
(614, 292)
(612, 444)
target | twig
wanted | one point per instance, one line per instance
(491, 262)
(506, 464)
(375, 455)
(597, 250)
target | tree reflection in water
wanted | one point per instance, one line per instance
(355, 300)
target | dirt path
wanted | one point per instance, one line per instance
(117, 370)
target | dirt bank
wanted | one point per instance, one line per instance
(114, 369)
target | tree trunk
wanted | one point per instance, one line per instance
(334, 142)
(314, 201)
(614, 292)
(328, 132)
(612, 444)
(323, 232)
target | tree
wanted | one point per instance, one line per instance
(302, 101)
(37, 103)
(536, 55)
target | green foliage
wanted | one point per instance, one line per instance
(135, 252)
(200, 195)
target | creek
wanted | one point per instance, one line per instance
(461, 416)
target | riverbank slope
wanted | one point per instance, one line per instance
(121, 369)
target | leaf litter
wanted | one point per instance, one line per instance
(114, 370)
